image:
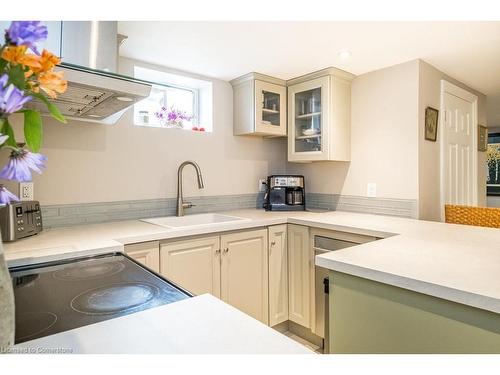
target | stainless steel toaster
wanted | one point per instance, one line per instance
(19, 220)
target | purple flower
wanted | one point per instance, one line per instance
(26, 33)
(21, 163)
(172, 116)
(11, 98)
(6, 196)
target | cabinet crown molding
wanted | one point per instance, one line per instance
(331, 71)
(258, 77)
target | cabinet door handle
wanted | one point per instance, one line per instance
(273, 243)
(217, 252)
(226, 250)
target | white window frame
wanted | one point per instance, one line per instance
(164, 86)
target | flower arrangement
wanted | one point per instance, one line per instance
(173, 117)
(25, 73)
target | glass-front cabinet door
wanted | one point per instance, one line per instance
(270, 108)
(308, 111)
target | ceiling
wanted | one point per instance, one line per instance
(467, 51)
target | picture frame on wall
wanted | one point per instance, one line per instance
(482, 138)
(431, 123)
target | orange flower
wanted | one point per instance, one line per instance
(17, 55)
(52, 83)
(47, 61)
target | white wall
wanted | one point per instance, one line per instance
(384, 146)
(429, 152)
(493, 111)
(387, 139)
(99, 163)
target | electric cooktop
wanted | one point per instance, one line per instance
(59, 296)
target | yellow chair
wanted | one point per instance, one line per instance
(478, 216)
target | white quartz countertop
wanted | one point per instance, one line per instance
(199, 325)
(91, 239)
(455, 262)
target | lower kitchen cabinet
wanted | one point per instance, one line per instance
(300, 261)
(233, 267)
(244, 272)
(146, 253)
(278, 274)
(194, 264)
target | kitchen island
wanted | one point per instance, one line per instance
(441, 277)
(433, 288)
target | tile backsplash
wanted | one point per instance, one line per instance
(87, 213)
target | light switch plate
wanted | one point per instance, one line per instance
(371, 189)
(26, 191)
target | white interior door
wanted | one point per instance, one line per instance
(458, 146)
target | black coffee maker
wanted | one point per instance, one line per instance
(285, 193)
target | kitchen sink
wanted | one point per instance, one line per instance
(192, 220)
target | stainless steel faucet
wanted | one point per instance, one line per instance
(181, 205)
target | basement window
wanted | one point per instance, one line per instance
(176, 102)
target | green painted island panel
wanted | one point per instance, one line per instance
(371, 317)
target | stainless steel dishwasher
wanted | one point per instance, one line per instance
(325, 241)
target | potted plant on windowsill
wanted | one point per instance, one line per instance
(25, 74)
(172, 118)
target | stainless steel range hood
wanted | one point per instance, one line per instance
(96, 96)
(89, 55)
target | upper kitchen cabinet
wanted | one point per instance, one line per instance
(319, 106)
(259, 105)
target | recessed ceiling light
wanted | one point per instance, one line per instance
(124, 98)
(345, 54)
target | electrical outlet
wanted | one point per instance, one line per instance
(262, 184)
(371, 189)
(26, 191)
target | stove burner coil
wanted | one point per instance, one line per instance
(90, 270)
(114, 298)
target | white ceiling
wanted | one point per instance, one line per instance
(467, 51)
